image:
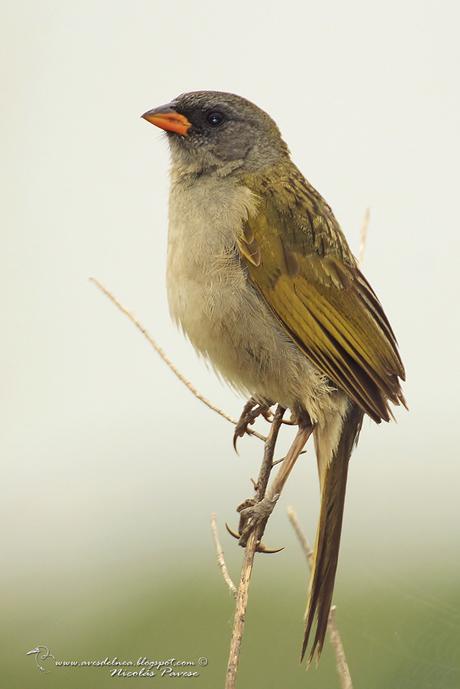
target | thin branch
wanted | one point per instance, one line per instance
(334, 634)
(167, 360)
(240, 612)
(220, 557)
(269, 450)
(278, 461)
(308, 552)
(363, 236)
(340, 657)
(248, 562)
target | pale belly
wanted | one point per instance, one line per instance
(230, 326)
(228, 322)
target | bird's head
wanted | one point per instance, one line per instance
(208, 130)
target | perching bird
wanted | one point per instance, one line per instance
(262, 281)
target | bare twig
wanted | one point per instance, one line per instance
(363, 236)
(281, 459)
(167, 360)
(248, 562)
(269, 450)
(308, 552)
(334, 634)
(340, 657)
(220, 557)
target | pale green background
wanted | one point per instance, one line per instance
(110, 467)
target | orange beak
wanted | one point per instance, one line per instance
(168, 119)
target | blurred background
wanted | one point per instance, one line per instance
(110, 467)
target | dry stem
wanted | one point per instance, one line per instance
(340, 657)
(220, 557)
(248, 562)
(334, 634)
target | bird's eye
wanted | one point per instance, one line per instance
(215, 118)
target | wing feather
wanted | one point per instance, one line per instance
(316, 290)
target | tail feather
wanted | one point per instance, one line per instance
(333, 475)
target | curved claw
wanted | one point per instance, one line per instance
(251, 410)
(261, 548)
(235, 534)
(241, 429)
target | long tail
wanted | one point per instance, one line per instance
(333, 468)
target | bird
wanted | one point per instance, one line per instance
(261, 280)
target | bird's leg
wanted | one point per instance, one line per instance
(251, 410)
(256, 515)
(260, 486)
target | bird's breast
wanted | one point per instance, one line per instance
(212, 299)
(209, 294)
(205, 278)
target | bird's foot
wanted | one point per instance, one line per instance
(251, 411)
(254, 516)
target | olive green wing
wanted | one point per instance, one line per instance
(298, 259)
